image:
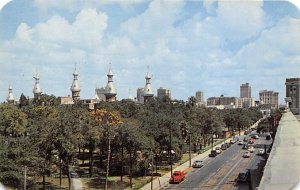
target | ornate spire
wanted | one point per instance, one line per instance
(110, 90)
(10, 98)
(148, 93)
(37, 91)
(75, 88)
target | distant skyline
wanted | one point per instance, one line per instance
(212, 46)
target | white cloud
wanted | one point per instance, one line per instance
(238, 20)
(209, 5)
(24, 32)
(75, 5)
(185, 54)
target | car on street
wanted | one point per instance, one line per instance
(251, 141)
(197, 164)
(224, 146)
(218, 150)
(255, 136)
(177, 177)
(251, 149)
(240, 143)
(213, 153)
(261, 151)
(246, 154)
(242, 177)
(268, 137)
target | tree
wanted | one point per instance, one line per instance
(43, 121)
(133, 139)
(12, 121)
(23, 101)
(108, 120)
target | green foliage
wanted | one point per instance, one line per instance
(38, 136)
(12, 121)
(23, 101)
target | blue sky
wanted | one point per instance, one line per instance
(212, 46)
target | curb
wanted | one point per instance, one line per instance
(187, 170)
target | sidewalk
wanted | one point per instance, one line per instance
(162, 181)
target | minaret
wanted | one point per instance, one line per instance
(110, 90)
(148, 93)
(37, 91)
(10, 98)
(75, 88)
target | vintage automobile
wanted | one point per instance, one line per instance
(213, 153)
(177, 177)
(197, 164)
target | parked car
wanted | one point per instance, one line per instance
(227, 144)
(213, 153)
(255, 136)
(224, 146)
(177, 177)
(218, 150)
(268, 137)
(197, 164)
(251, 149)
(242, 177)
(240, 143)
(245, 139)
(246, 154)
(261, 151)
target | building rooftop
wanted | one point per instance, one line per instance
(282, 170)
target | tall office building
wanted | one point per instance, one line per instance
(245, 91)
(270, 98)
(293, 94)
(199, 96)
(163, 92)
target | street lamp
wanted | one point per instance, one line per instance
(170, 148)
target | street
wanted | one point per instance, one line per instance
(221, 172)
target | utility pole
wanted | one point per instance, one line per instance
(212, 141)
(25, 177)
(170, 149)
(151, 170)
(190, 157)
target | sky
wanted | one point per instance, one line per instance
(210, 46)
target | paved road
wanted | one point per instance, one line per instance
(199, 176)
(220, 172)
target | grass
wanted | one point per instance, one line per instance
(114, 183)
